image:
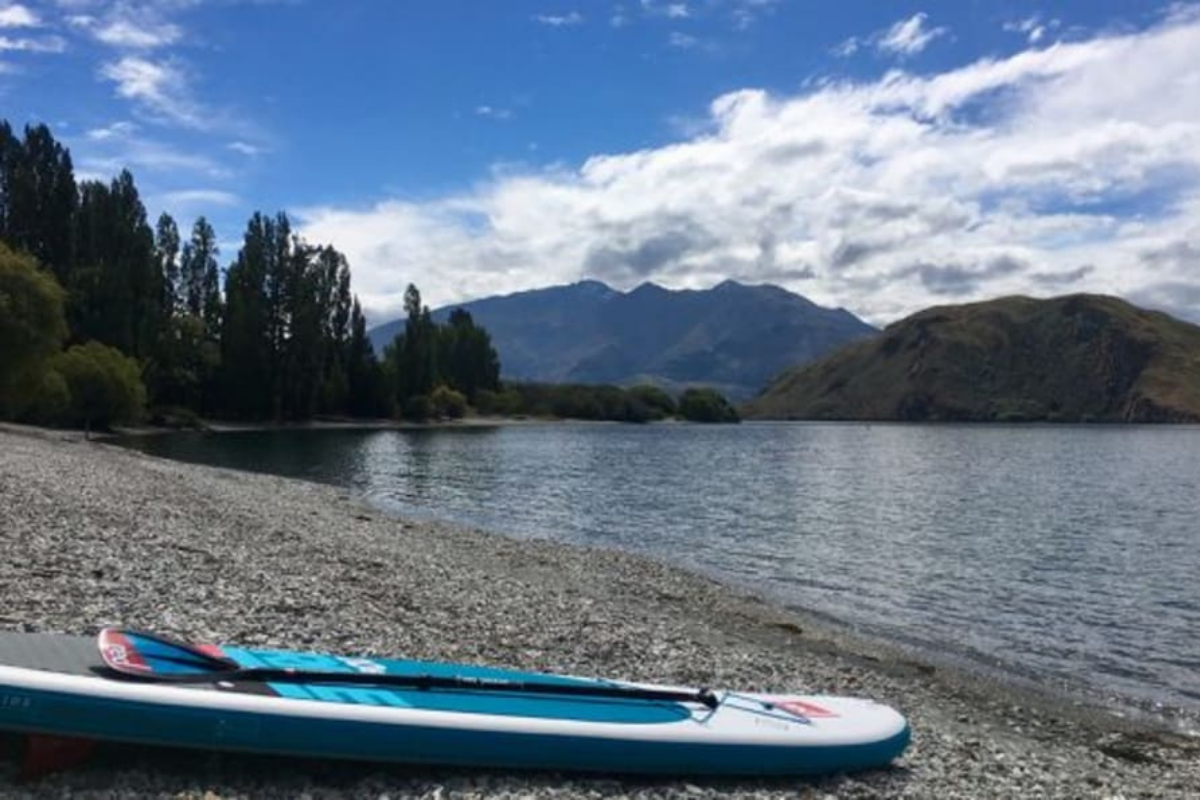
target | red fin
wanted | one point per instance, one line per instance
(45, 754)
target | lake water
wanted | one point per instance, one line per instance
(1069, 555)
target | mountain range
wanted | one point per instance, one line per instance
(732, 337)
(1075, 358)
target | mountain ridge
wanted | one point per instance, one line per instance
(732, 337)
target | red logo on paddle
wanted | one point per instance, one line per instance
(118, 652)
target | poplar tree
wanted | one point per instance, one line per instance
(166, 245)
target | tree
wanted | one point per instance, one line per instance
(166, 246)
(415, 353)
(245, 349)
(115, 290)
(467, 360)
(32, 327)
(706, 405)
(105, 385)
(364, 378)
(655, 399)
(184, 363)
(199, 260)
(38, 197)
(445, 403)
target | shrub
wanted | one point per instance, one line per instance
(658, 402)
(445, 402)
(52, 403)
(105, 385)
(418, 408)
(706, 405)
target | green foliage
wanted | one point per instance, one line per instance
(705, 405)
(418, 408)
(115, 285)
(367, 384)
(458, 354)
(659, 403)
(447, 403)
(184, 362)
(105, 385)
(506, 402)
(286, 341)
(37, 197)
(166, 247)
(466, 358)
(574, 401)
(52, 403)
(32, 327)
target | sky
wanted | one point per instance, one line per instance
(881, 157)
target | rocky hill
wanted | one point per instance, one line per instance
(1073, 358)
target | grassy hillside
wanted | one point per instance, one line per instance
(1073, 358)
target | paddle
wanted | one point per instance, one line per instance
(191, 664)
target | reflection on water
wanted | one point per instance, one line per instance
(1061, 552)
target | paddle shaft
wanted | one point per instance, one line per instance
(210, 668)
(704, 697)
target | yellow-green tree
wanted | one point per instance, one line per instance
(32, 328)
(105, 385)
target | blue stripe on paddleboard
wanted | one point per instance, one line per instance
(105, 718)
(489, 702)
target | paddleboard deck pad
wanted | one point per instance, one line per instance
(136, 687)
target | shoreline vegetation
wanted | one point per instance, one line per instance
(99, 535)
(107, 321)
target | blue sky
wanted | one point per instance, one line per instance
(877, 156)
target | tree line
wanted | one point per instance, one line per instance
(104, 318)
(148, 322)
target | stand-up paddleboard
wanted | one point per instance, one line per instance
(140, 687)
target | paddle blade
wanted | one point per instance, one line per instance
(147, 655)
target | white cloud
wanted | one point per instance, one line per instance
(117, 130)
(559, 20)
(493, 113)
(40, 44)
(882, 196)
(676, 11)
(1032, 27)
(159, 88)
(16, 15)
(126, 33)
(746, 12)
(846, 47)
(682, 41)
(199, 199)
(905, 38)
(105, 157)
(908, 36)
(246, 148)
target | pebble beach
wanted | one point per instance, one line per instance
(95, 535)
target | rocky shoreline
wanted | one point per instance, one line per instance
(95, 535)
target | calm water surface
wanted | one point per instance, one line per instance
(1069, 555)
